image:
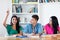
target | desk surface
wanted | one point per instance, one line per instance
(45, 37)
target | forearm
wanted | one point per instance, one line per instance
(4, 23)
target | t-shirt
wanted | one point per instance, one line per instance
(38, 29)
(49, 29)
(11, 31)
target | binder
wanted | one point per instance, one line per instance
(12, 1)
(46, 1)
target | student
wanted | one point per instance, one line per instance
(14, 27)
(52, 27)
(34, 28)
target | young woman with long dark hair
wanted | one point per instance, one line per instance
(53, 26)
(14, 27)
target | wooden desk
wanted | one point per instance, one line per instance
(46, 37)
(51, 37)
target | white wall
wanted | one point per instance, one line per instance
(4, 5)
(47, 10)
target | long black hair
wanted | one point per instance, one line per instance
(17, 24)
(55, 24)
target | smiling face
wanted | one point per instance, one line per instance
(33, 21)
(14, 20)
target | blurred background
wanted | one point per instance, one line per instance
(45, 11)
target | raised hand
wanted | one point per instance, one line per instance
(7, 14)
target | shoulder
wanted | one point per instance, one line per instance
(8, 26)
(38, 24)
(47, 25)
(29, 25)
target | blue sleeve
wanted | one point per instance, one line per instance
(40, 29)
(26, 29)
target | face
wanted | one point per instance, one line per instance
(50, 21)
(33, 21)
(14, 21)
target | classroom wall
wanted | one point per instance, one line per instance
(47, 10)
(4, 6)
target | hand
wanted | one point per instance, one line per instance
(20, 33)
(7, 12)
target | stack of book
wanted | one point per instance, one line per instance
(24, 9)
(17, 9)
(46, 1)
(15, 1)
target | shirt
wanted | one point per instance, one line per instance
(11, 31)
(29, 29)
(49, 29)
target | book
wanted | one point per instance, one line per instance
(13, 9)
(19, 9)
(12, 1)
(16, 1)
(46, 1)
(22, 36)
(32, 0)
(58, 0)
(25, 1)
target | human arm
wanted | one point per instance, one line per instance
(4, 22)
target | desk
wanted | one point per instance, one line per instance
(51, 37)
(45, 37)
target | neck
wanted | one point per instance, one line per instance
(51, 25)
(34, 25)
(14, 27)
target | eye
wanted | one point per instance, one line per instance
(13, 19)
